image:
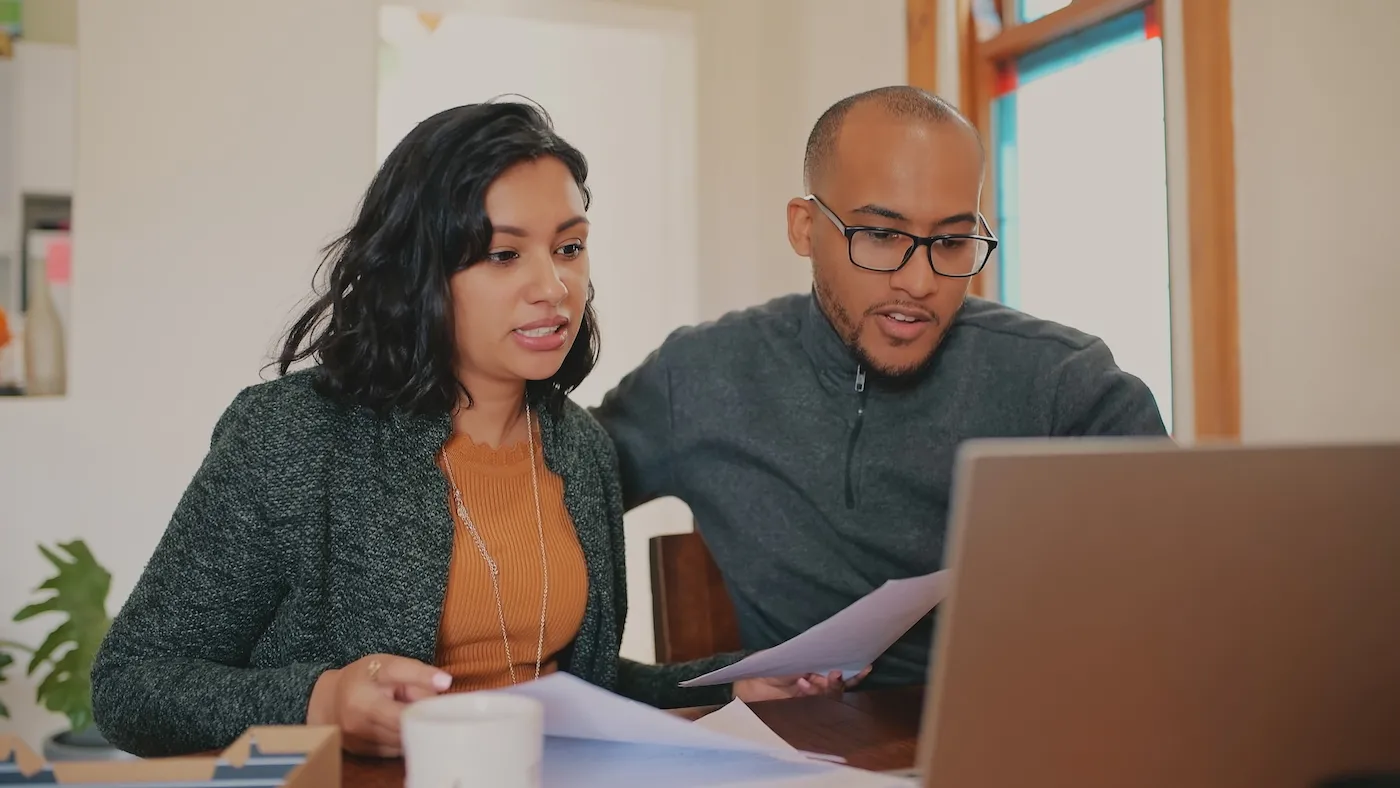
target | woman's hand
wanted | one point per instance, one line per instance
(752, 690)
(366, 698)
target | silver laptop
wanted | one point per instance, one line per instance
(1133, 614)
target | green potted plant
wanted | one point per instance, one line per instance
(78, 591)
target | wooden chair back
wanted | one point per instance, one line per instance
(691, 610)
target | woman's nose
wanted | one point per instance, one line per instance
(546, 285)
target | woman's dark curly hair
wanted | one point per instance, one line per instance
(383, 329)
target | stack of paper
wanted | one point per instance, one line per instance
(597, 738)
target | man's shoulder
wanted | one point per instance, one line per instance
(997, 329)
(1073, 372)
(739, 332)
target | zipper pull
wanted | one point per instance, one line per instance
(860, 379)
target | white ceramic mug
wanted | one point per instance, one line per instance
(471, 739)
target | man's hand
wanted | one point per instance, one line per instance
(753, 690)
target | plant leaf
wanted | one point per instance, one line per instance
(65, 633)
(67, 689)
(80, 591)
(5, 661)
(50, 605)
(58, 563)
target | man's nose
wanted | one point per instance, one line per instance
(917, 277)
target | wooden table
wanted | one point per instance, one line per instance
(875, 729)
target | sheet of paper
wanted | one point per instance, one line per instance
(738, 720)
(849, 640)
(575, 709)
(585, 763)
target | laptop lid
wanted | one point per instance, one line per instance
(1131, 613)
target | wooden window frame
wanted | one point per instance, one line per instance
(1210, 184)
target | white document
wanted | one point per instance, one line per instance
(738, 720)
(597, 739)
(575, 709)
(849, 640)
(586, 763)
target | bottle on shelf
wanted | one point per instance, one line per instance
(45, 364)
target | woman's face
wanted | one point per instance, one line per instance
(518, 311)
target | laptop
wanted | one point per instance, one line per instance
(1129, 612)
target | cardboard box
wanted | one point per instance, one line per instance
(267, 757)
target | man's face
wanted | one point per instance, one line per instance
(917, 177)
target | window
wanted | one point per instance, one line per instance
(1078, 136)
(1031, 10)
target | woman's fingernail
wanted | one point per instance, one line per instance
(442, 681)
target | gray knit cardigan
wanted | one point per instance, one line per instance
(315, 533)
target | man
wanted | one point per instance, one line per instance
(813, 437)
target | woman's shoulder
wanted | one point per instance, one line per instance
(286, 413)
(290, 398)
(578, 422)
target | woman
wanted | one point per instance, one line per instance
(423, 510)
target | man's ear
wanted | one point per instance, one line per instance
(799, 224)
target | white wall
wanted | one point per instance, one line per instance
(220, 144)
(768, 68)
(50, 21)
(1318, 183)
(812, 54)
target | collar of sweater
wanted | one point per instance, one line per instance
(837, 366)
(421, 437)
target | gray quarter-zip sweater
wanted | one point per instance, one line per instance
(812, 482)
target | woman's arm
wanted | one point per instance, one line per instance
(172, 675)
(658, 685)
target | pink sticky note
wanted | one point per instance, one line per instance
(60, 260)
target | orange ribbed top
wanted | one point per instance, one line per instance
(496, 489)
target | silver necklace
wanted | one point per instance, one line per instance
(494, 569)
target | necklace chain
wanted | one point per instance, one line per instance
(494, 569)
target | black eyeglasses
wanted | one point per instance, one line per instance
(957, 255)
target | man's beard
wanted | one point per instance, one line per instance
(850, 331)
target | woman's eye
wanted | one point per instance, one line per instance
(571, 250)
(502, 257)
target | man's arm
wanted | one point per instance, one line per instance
(638, 417)
(1096, 397)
